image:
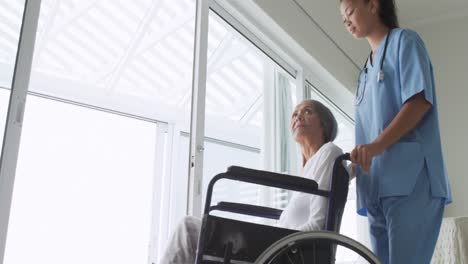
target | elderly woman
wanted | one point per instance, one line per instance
(314, 128)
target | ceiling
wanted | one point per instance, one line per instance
(412, 14)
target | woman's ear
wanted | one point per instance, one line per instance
(374, 6)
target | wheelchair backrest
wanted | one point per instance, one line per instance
(338, 194)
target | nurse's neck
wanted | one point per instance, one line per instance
(376, 36)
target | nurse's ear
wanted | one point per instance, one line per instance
(374, 6)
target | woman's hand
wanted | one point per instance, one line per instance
(362, 155)
(409, 116)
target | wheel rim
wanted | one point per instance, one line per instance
(331, 237)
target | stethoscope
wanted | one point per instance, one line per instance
(380, 75)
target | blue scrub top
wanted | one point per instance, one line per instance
(407, 71)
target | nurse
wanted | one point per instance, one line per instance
(402, 183)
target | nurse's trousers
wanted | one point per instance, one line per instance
(404, 229)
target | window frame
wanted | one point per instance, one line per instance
(19, 89)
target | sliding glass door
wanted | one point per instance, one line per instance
(103, 164)
(244, 102)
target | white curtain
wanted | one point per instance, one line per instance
(286, 156)
(279, 151)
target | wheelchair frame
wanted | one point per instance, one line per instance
(225, 240)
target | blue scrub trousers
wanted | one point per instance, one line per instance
(404, 229)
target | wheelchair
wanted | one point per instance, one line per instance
(224, 240)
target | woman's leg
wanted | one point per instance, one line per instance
(378, 233)
(413, 223)
(182, 247)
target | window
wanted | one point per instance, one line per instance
(133, 57)
(241, 82)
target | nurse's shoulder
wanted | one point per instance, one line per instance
(409, 37)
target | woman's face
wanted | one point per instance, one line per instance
(359, 16)
(305, 123)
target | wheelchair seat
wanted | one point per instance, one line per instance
(227, 239)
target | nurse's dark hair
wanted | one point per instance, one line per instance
(387, 13)
(327, 120)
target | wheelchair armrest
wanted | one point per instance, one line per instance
(273, 179)
(247, 209)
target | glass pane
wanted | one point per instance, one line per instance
(218, 157)
(134, 57)
(239, 79)
(83, 189)
(11, 16)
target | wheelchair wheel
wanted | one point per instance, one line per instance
(305, 244)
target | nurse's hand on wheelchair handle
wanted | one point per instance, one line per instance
(362, 155)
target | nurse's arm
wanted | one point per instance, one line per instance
(407, 118)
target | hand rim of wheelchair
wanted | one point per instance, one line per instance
(331, 237)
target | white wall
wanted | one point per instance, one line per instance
(289, 16)
(447, 42)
